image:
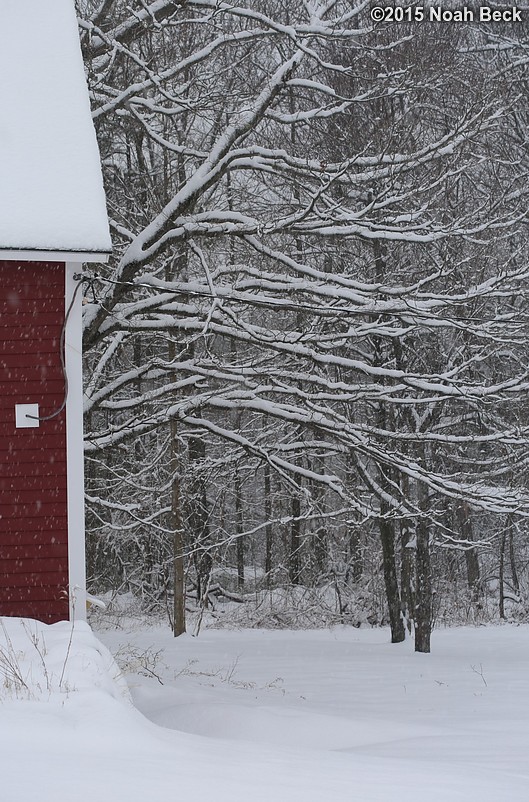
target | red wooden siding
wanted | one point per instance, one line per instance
(33, 505)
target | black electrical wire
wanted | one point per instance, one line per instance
(62, 353)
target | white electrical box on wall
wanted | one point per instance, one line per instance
(26, 416)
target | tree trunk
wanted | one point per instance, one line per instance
(387, 537)
(356, 562)
(294, 561)
(179, 267)
(320, 547)
(471, 557)
(355, 567)
(239, 529)
(179, 606)
(512, 558)
(198, 518)
(407, 554)
(501, 588)
(268, 527)
(423, 578)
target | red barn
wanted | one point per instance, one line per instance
(52, 219)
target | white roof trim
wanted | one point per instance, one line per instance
(80, 257)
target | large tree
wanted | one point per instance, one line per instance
(319, 265)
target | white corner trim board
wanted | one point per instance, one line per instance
(74, 447)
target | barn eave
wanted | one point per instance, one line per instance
(33, 255)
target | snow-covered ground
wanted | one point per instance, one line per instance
(263, 715)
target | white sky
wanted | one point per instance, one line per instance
(51, 193)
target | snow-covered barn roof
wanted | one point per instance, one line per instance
(51, 189)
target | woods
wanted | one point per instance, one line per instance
(307, 362)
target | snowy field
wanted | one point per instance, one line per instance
(262, 715)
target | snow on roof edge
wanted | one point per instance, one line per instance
(52, 196)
